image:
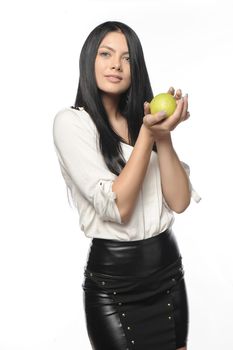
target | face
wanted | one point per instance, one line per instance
(112, 66)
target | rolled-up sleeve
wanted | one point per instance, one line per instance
(104, 201)
(75, 143)
(195, 196)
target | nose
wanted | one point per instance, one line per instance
(116, 66)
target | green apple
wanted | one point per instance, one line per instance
(163, 102)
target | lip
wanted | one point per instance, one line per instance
(113, 78)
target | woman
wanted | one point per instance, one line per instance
(126, 181)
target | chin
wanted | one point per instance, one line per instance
(113, 91)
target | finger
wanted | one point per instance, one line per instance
(152, 119)
(146, 108)
(178, 94)
(182, 120)
(179, 108)
(187, 115)
(171, 90)
(185, 107)
(176, 116)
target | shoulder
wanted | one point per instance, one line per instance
(67, 115)
(69, 118)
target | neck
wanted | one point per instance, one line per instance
(111, 106)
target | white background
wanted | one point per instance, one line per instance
(188, 45)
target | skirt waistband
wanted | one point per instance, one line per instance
(133, 258)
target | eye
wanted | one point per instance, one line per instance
(127, 58)
(104, 53)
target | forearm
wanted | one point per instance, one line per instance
(127, 185)
(174, 180)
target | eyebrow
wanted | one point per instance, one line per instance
(110, 48)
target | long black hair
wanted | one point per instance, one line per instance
(131, 104)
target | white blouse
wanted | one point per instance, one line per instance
(90, 183)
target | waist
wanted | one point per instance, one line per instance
(135, 258)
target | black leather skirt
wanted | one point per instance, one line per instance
(134, 294)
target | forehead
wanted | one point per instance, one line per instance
(116, 40)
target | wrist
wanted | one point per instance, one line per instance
(165, 141)
(147, 134)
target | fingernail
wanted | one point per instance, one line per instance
(162, 113)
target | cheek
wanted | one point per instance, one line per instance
(99, 64)
(128, 72)
(99, 69)
(129, 77)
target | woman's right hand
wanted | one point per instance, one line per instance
(159, 125)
